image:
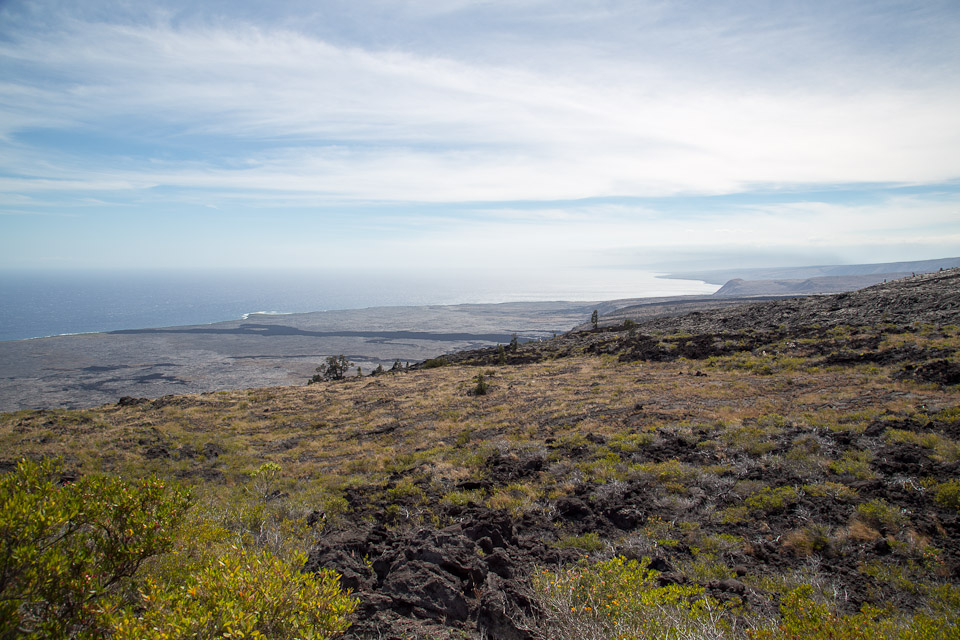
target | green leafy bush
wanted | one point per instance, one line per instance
(66, 548)
(435, 363)
(835, 490)
(244, 594)
(103, 557)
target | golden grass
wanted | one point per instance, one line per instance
(313, 431)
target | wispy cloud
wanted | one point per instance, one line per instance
(486, 102)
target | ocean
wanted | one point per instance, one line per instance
(48, 303)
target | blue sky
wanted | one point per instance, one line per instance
(521, 134)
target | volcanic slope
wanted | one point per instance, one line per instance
(792, 451)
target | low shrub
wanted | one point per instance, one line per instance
(771, 500)
(855, 464)
(102, 557)
(621, 598)
(944, 448)
(244, 594)
(588, 542)
(811, 540)
(66, 548)
(947, 494)
(881, 515)
(804, 618)
(834, 490)
(481, 387)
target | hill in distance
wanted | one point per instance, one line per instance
(881, 270)
(745, 456)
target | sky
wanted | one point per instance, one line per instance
(379, 134)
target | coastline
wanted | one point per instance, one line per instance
(91, 369)
(50, 305)
(259, 349)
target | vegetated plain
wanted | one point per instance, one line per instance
(717, 475)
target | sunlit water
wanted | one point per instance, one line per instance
(34, 304)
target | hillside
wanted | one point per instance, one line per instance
(750, 456)
(881, 269)
(802, 287)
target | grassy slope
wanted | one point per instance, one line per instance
(808, 457)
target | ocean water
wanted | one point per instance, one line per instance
(47, 303)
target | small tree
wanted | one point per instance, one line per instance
(630, 326)
(514, 343)
(481, 388)
(396, 366)
(595, 319)
(265, 480)
(501, 355)
(335, 368)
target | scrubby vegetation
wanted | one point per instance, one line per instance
(100, 557)
(798, 482)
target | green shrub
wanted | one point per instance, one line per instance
(755, 440)
(771, 500)
(620, 598)
(102, 557)
(835, 490)
(65, 549)
(406, 489)
(804, 618)
(264, 480)
(335, 369)
(763, 364)
(944, 449)
(464, 497)
(244, 594)
(947, 494)
(588, 542)
(881, 515)
(626, 443)
(670, 472)
(435, 363)
(854, 463)
(481, 387)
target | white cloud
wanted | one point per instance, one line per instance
(601, 235)
(405, 126)
(491, 103)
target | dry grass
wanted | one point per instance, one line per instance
(738, 465)
(386, 423)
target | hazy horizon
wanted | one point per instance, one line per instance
(48, 303)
